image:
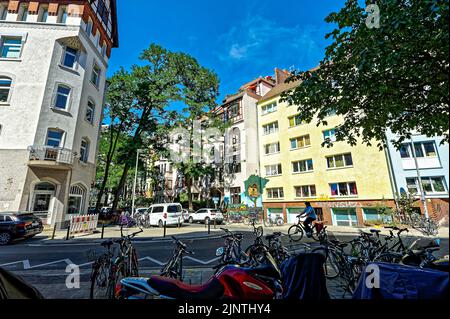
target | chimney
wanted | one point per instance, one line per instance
(281, 76)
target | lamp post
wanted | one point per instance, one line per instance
(135, 181)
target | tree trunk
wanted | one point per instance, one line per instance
(120, 187)
(111, 151)
(189, 192)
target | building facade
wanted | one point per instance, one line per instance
(53, 61)
(432, 160)
(344, 184)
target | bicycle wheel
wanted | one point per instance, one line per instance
(256, 254)
(133, 264)
(295, 233)
(102, 286)
(331, 265)
(389, 257)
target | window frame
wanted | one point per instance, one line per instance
(4, 38)
(268, 146)
(279, 191)
(99, 74)
(339, 190)
(76, 57)
(61, 141)
(304, 138)
(269, 108)
(84, 156)
(332, 137)
(88, 107)
(301, 188)
(406, 148)
(309, 165)
(273, 128)
(344, 160)
(295, 118)
(279, 170)
(69, 97)
(430, 180)
(8, 88)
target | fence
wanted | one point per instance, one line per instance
(81, 224)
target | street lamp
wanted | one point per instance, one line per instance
(135, 181)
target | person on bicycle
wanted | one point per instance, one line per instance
(311, 216)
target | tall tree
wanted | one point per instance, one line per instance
(164, 77)
(392, 77)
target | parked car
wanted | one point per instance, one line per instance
(16, 225)
(170, 214)
(186, 215)
(206, 215)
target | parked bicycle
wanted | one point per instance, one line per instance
(273, 221)
(231, 253)
(174, 267)
(108, 269)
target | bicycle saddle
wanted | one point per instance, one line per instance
(375, 231)
(172, 288)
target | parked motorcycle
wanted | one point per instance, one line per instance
(229, 282)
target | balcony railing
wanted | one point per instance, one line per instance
(51, 154)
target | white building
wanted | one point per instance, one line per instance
(241, 139)
(53, 61)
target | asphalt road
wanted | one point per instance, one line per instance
(44, 265)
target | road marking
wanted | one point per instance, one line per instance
(202, 262)
(153, 260)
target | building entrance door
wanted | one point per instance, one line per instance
(43, 194)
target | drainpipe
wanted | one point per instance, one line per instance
(422, 193)
(394, 185)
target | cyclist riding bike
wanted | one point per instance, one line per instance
(311, 217)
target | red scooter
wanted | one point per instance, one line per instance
(230, 282)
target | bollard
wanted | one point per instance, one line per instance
(68, 233)
(103, 230)
(54, 231)
(215, 224)
(209, 227)
(165, 223)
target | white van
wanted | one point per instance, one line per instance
(170, 213)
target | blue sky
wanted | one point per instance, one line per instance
(239, 40)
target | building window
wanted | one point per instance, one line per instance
(431, 185)
(70, 57)
(329, 135)
(343, 189)
(95, 77)
(62, 97)
(345, 217)
(303, 166)
(275, 193)
(274, 170)
(23, 14)
(104, 49)
(300, 142)
(422, 150)
(372, 214)
(63, 14)
(296, 121)
(10, 47)
(43, 15)
(235, 194)
(76, 200)
(84, 151)
(54, 138)
(305, 191)
(266, 109)
(3, 12)
(5, 89)
(89, 27)
(340, 161)
(90, 112)
(270, 128)
(273, 148)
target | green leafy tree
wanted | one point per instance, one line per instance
(392, 77)
(163, 77)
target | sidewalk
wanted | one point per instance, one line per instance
(199, 231)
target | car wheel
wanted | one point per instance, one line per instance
(5, 238)
(191, 220)
(160, 224)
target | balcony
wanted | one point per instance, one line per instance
(51, 157)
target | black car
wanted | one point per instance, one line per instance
(15, 225)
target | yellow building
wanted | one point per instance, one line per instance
(344, 184)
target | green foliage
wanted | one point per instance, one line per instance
(395, 77)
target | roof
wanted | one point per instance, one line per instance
(283, 87)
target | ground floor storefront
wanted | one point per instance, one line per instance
(354, 213)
